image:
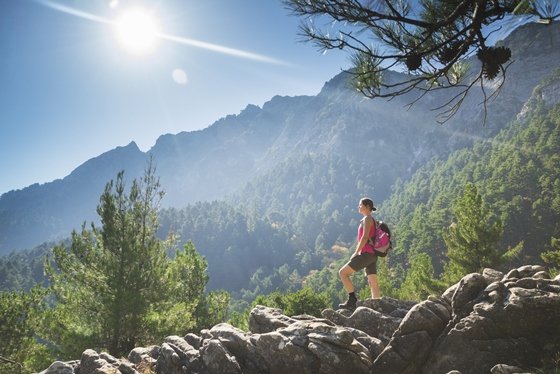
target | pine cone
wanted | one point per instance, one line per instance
(483, 55)
(448, 53)
(494, 55)
(502, 54)
(492, 59)
(413, 61)
(490, 70)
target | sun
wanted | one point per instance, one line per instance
(137, 31)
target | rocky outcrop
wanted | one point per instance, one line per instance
(487, 323)
(485, 320)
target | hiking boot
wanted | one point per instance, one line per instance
(349, 304)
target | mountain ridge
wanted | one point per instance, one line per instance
(212, 163)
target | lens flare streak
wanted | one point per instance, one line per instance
(74, 12)
(173, 38)
(221, 49)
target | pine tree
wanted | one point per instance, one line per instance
(115, 286)
(472, 240)
(552, 256)
(420, 281)
(20, 316)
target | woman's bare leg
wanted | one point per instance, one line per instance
(374, 285)
(345, 272)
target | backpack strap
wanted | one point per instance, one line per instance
(371, 239)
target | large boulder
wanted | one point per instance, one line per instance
(484, 321)
(413, 339)
(516, 320)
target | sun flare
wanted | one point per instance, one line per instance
(137, 31)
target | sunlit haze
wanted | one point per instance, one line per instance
(80, 78)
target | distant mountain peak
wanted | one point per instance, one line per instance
(250, 110)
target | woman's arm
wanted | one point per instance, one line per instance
(368, 221)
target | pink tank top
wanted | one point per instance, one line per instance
(367, 248)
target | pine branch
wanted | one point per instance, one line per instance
(8, 361)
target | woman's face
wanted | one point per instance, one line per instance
(363, 209)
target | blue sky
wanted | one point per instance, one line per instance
(70, 91)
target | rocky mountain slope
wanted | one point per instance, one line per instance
(489, 322)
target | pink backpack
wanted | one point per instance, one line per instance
(382, 240)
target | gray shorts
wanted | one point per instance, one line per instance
(364, 260)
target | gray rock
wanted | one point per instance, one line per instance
(177, 356)
(179, 343)
(92, 363)
(467, 293)
(59, 367)
(508, 369)
(110, 359)
(412, 341)
(447, 295)
(217, 359)
(306, 317)
(370, 321)
(205, 334)
(423, 318)
(263, 319)
(373, 345)
(512, 274)
(441, 300)
(239, 344)
(389, 306)
(127, 368)
(285, 355)
(530, 270)
(193, 340)
(542, 275)
(140, 354)
(313, 347)
(404, 354)
(492, 275)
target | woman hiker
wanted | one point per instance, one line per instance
(363, 257)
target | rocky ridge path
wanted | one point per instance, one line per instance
(489, 322)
